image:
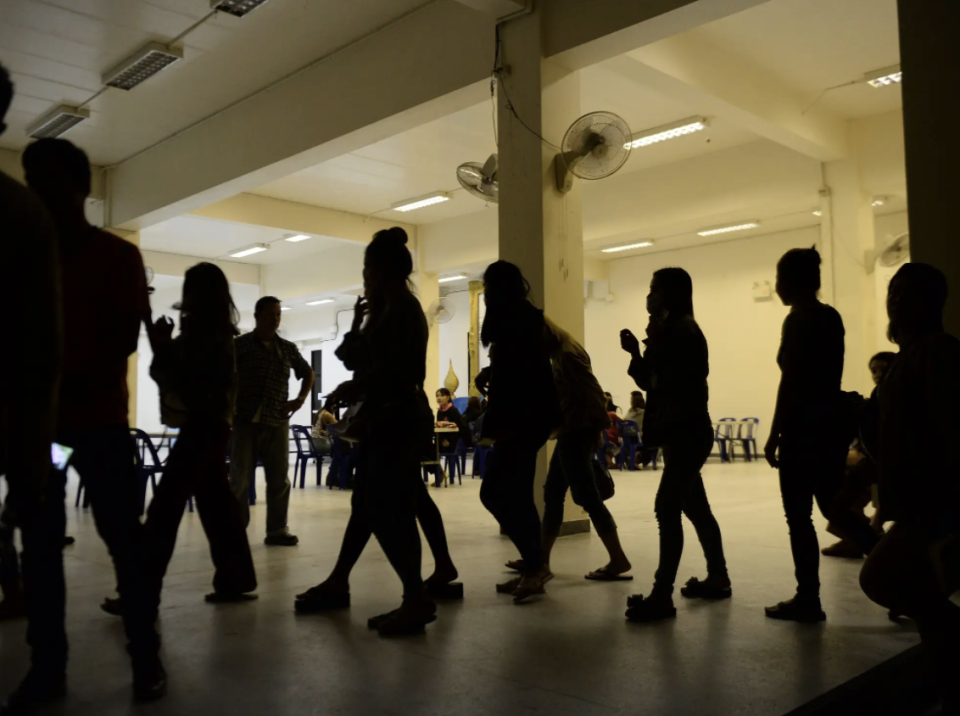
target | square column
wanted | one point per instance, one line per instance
(428, 291)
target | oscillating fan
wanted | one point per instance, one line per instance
(897, 252)
(480, 180)
(441, 311)
(594, 147)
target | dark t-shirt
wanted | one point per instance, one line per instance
(811, 365)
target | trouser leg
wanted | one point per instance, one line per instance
(274, 449)
(243, 460)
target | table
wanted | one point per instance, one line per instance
(438, 462)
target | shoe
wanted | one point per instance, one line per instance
(34, 691)
(69, 541)
(112, 606)
(283, 540)
(12, 608)
(797, 610)
(650, 609)
(843, 549)
(149, 682)
(707, 589)
(317, 600)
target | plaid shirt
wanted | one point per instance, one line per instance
(265, 376)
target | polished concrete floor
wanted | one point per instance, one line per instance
(570, 653)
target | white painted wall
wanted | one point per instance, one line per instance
(453, 342)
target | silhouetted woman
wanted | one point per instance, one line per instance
(515, 332)
(673, 369)
(196, 373)
(914, 568)
(807, 441)
(388, 354)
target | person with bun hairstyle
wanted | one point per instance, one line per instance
(387, 350)
(807, 442)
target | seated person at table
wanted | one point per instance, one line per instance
(318, 436)
(449, 417)
(612, 449)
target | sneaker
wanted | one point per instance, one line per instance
(282, 540)
(35, 690)
(797, 610)
(149, 682)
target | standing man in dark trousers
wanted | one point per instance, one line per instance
(261, 429)
(30, 293)
(104, 290)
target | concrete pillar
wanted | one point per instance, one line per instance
(930, 59)
(428, 289)
(473, 348)
(848, 237)
(134, 238)
(540, 229)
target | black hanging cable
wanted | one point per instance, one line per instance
(513, 111)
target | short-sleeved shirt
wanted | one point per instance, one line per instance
(104, 302)
(582, 401)
(264, 373)
(811, 360)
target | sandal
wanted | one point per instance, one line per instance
(509, 587)
(407, 620)
(707, 589)
(605, 575)
(533, 587)
(647, 610)
(321, 599)
(515, 565)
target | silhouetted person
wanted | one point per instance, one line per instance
(914, 568)
(807, 441)
(673, 369)
(583, 406)
(104, 302)
(261, 430)
(611, 406)
(30, 294)
(388, 355)
(515, 332)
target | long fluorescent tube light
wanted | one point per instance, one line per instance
(298, 238)
(284, 308)
(419, 202)
(322, 300)
(667, 131)
(142, 65)
(627, 247)
(56, 122)
(458, 277)
(885, 77)
(817, 212)
(237, 8)
(728, 229)
(248, 251)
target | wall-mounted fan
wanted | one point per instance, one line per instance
(896, 252)
(441, 311)
(480, 180)
(594, 147)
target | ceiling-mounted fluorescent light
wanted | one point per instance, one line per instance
(627, 247)
(727, 229)
(248, 251)
(237, 8)
(885, 77)
(458, 277)
(142, 65)
(284, 308)
(419, 202)
(667, 131)
(817, 212)
(878, 201)
(56, 122)
(297, 238)
(320, 301)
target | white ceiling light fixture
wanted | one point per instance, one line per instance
(237, 8)
(878, 201)
(437, 197)
(284, 308)
(458, 277)
(142, 65)
(320, 301)
(727, 229)
(817, 212)
(56, 122)
(248, 251)
(667, 131)
(297, 238)
(627, 247)
(884, 78)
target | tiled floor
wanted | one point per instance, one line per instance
(571, 653)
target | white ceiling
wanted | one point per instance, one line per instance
(213, 239)
(57, 50)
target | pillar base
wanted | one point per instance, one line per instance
(575, 527)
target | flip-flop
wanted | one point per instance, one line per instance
(521, 594)
(229, 597)
(508, 587)
(515, 565)
(602, 575)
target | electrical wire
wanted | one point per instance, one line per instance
(516, 116)
(823, 92)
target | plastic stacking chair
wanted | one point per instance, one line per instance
(451, 461)
(724, 438)
(342, 458)
(460, 404)
(147, 463)
(747, 438)
(305, 453)
(630, 443)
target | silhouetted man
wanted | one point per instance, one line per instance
(104, 301)
(30, 294)
(261, 429)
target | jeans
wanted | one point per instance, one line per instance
(269, 444)
(571, 467)
(103, 457)
(682, 492)
(196, 467)
(808, 473)
(507, 493)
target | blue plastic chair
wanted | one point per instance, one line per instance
(480, 460)
(460, 404)
(602, 452)
(630, 443)
(747, 438)
(305, 453)
(454, 462)
(724, 438)
(342, 457)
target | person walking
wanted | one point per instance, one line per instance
(516, 334)
(261, 430)
(673, 369)
(807, 442)
(104, 289)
